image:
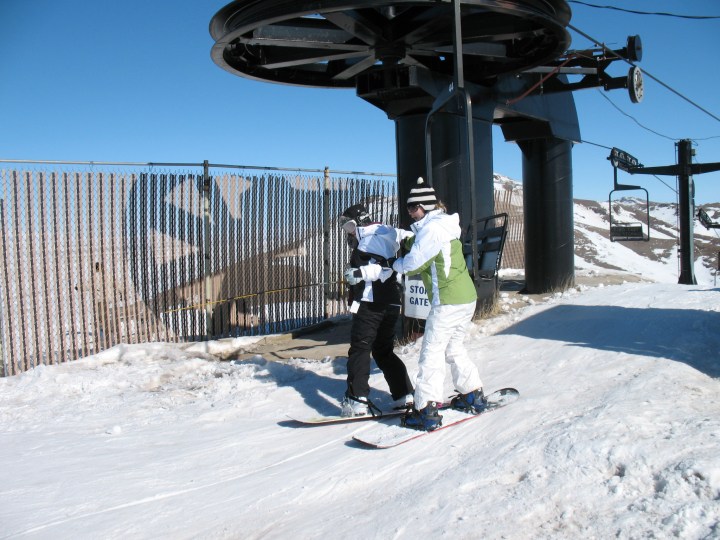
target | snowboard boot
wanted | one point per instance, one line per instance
(472, 403)
(353, 406)
(405, 402)
(425, 419)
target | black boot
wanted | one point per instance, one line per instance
(473, 402)
(425, 419)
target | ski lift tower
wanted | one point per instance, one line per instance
(684, 169)
(472, 64)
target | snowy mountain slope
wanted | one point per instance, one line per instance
(592, 243)
(593, 247)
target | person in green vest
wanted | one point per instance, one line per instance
(435, 252)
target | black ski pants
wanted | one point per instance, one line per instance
(373, 331)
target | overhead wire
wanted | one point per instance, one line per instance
(636, 12)
(597, 144)
(646, 73)
(635, 119)
(674, 190)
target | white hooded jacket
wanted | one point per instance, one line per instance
(436, 254)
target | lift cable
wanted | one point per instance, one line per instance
(661, 13)
(674, 190)
(668, 87)
(635, 119)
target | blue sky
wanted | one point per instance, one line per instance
(93, 80)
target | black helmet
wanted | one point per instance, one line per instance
(357, 213)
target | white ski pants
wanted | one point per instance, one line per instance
(445, 330)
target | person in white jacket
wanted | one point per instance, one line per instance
(436, 254)
(375, 303)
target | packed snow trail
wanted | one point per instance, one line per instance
(617, 432)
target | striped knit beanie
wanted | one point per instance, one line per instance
(422, 195)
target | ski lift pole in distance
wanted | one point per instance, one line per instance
(626, 231)
(684, 169)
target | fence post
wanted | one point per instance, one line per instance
(4, 371)
(326, 243)
(206, 250)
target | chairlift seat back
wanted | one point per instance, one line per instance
(491, 233)
(626, 232)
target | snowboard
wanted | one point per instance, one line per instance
(315, 420)
(388, 436)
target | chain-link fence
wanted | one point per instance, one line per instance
(98, 254)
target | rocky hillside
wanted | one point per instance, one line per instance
(656, 259)
(593, 245)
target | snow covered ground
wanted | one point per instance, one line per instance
(616, 434)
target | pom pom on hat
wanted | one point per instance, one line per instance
(422, 195)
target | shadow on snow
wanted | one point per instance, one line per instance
(684, 335)
(322, 393)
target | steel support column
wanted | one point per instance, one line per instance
(686, 198)
(548, 203)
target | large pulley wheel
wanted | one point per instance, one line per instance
(328, 43)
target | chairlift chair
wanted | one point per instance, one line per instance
(706, 221)
(490, 232)
(624, 231)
